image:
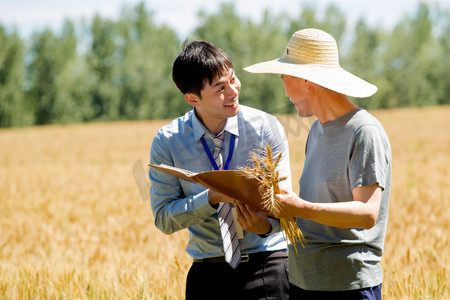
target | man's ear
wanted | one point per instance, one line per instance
(310, 85)
(192, 99)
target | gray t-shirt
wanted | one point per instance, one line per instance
(341, 155)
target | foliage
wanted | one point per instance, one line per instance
(120, 69)
(13, 109)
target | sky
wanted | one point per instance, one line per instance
(28, 16)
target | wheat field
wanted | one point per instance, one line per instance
(73, 224)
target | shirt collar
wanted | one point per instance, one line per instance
(199, 129)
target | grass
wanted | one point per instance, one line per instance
(73, 226)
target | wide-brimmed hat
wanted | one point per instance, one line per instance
(312, 54)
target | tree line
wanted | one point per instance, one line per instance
(110, 70)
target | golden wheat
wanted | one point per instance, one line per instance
(73, 225)
(264, 169)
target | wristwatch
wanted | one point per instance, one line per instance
(263, 236)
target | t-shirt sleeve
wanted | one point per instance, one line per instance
(369, 157)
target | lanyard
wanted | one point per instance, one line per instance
(210, 156)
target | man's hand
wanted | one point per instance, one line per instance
(290, 204)
(252, 220)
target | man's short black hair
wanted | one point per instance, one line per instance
(199, 62)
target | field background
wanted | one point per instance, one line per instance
(73, 225)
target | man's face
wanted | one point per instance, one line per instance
(295, 90)
(219, 100)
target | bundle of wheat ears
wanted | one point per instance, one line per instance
(265, 170)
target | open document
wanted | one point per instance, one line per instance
(232, 183)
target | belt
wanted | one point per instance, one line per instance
(247, 257)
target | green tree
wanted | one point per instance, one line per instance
(247, 43)
(442, 57)
(333, 21)
(409, 60)
(103, 65)
(73, 83)
(266, 41)
(146, 54)
(362, 59)
(13, 109)
(57, 82)
(42, 74)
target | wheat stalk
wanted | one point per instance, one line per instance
(265, 170)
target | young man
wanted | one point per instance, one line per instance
(205, 75)
(342, 207)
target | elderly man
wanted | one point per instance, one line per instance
(342, 207)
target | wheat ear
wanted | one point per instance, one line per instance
(265, 170)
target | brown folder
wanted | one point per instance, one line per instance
(232, 183)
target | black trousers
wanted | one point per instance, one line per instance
(262, 277)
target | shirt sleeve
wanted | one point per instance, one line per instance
(172, 210)
(369, 159)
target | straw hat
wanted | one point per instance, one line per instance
(312, 54)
